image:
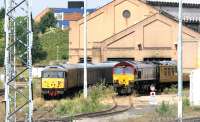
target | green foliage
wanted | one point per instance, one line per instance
(55, 43)
(37, 51)
(1, 51)
(165, 110)
(81, 105)
(2, 13)
(171, 90)
(1, 28)
(186, 103)
(47, 21)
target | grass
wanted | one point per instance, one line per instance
(81, 105)
(55, 42)
(171, 90)
(166, 110)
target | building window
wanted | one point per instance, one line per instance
(126, 14)
(120, 59)
(58, 16)
(89, 60)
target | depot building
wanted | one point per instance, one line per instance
(132, 30)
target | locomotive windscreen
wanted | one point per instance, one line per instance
(52, 74)
(123, 70)
(118, 70)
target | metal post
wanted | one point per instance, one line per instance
(85, 49)
(180, 79)
(29, 59)
(6, 60)
(14, 73)
(12, 53)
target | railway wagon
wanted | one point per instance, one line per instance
(57, 80)
(131, 75)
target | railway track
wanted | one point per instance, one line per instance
(115, 109)
(195, 119)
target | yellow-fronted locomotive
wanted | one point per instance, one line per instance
(131, 75)
(56, 80)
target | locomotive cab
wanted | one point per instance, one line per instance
(129, 76)
(123, 77)
(53, 82)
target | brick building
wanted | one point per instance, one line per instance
(133, 30)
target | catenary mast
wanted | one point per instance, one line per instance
(18, 49)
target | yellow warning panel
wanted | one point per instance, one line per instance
(53, 83)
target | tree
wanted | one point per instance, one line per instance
(47, 21)
(1, 51)
(1, 28)
(2, 13)
(37, 51)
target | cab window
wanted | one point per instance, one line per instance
(118, 70)
(128, 70)
(52, 74)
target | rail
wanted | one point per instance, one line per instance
(115, 109)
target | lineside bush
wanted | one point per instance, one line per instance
(171, 90)
(80, 105)
(165, 111)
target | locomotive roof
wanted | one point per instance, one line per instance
(66, 67)
(136, 64)
(165, 62)
(106, 64)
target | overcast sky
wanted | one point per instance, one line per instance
(39, 5)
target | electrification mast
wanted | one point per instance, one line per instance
(18, 50)
(180, 65)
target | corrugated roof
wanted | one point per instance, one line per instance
(189, 14)
(176, 1)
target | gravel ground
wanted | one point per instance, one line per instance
(141, 106)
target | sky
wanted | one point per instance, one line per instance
(39, 5)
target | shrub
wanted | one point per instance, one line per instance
(81, 105)
(186, 103)
(170, 90)
(165, 110)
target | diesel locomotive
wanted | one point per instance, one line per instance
(57, 80)
(129, 76)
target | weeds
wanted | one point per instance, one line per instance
(186, 103)
(165, 111)
(171, 90)
(81, 105)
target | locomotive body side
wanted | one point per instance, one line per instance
(145, 74)
(129, 76)
(53, 84)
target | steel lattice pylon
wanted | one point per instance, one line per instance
(18, 49)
